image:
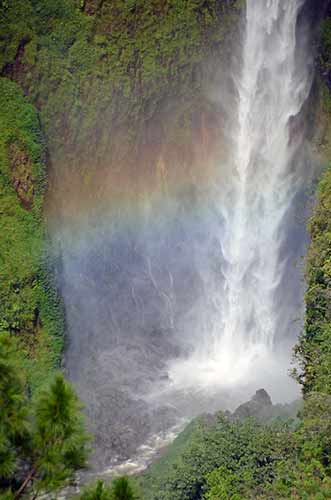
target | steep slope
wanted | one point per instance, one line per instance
(313, 349)
(120, 87)
(29, 305)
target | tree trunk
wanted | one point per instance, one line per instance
(26, 481)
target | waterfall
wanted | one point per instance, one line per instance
(173, 300)
(266, 175)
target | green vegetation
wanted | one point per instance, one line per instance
(323, 108)
(314, 349)
(222, 455)
(325, 50)
(42, 441)
(120, 489)
(99, 71)
(160, 468)
(13, 410)
(29, 305)
(99, 491)
(59, 440)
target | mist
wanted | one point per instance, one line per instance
(187, 297)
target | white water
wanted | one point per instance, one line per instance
(265, 175)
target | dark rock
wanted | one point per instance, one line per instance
(261, 396)
(260, 407)
(253, 408)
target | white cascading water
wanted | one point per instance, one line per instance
(263, 181)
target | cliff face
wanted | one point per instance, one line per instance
(312, 350)
(121, 88)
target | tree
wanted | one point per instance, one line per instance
(223, 484)
(122, 489)
(14, 426)
(99, 491)
(59, 437)
(47, 435)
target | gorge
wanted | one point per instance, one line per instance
(188, 303)
(164, 207)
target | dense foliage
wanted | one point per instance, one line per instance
(29, 305)
(13, 410)
(220, 457)
(314, 349)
